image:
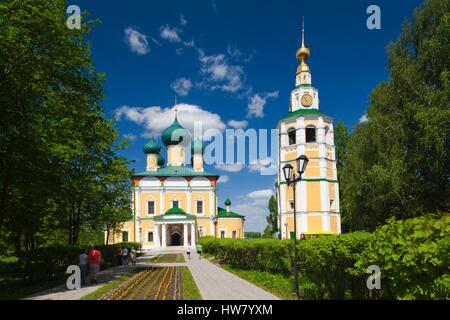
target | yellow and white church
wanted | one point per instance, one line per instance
(308, 131)
(176, 204)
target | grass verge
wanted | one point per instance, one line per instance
(168, 258)
(190, 289)
(111, 285)
(276, 284)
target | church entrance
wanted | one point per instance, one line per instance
(175, 239)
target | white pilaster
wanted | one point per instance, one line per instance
(185, 234)
(189, 206)
(193, 244)
(161, 201)
(156, 235)
(164, 235)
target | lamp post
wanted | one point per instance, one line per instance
(292, 179)
(215, 220)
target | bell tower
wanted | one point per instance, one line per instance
(306, 130)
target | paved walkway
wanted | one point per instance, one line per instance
(62, 293)
(216, 283)
(213, 282)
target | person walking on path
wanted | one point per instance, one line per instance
(119, 256)
(188, 252)
(199, 250)
(94, 261)
(125, 257)
(83, 265)
(133, 256)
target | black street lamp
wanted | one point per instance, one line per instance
(292, 179)
(215, 220)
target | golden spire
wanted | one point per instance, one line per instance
(303, 53)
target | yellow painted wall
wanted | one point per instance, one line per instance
(181, 197)
(311, 154)
(333, 224)
(206, 224)
(205, 196)
(290, 226)
(313, 193)
(231, 225)
(144, 198)
(175, 154)
(315, 224)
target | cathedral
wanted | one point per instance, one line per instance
(175, 204)
(306, 130)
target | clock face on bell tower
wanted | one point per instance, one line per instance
(307, 100)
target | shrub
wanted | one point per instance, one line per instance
(413, 256)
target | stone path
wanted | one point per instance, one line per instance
(62, 293)
(216, 283)
(213, 282)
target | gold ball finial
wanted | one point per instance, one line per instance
(303, 53)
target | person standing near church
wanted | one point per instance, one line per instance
(125, 257)
(94, 261)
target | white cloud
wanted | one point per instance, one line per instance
(182, 86)
(156, 119)
(235, 53)
(223, 179)
(364, 118)
(230, 167)
(260, 195)
(130, 137)
(255, 209)
(170, 34)
(136, 41)
(220, 75)
(183, 20)
(257, 103)
(235, 124)
(262, 163)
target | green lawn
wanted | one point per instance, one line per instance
(190, 290)
(168, 258)
(111, 285)
(276, 284)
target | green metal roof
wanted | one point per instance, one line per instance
(161, 160)
(172, 171)
(175, 211)
(174, 134)
(305, 112)
(152, 147)
(224, 214)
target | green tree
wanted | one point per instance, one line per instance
(272, 218)
(341, 140)
(58, 152)
(397, 164)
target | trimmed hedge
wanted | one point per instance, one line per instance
(413, 256)
(51, 262)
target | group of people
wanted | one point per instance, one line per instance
(125, 255)
(91, 259)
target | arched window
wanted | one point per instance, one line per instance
(125, 236)
(150, 237)
(292, 136)
(234, 235)
(310, 135)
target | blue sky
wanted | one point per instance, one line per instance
(235, 61)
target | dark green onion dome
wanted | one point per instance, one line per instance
(228, 202)
(175, 134)
(161, 161)
(152, 147)
(197, 147)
